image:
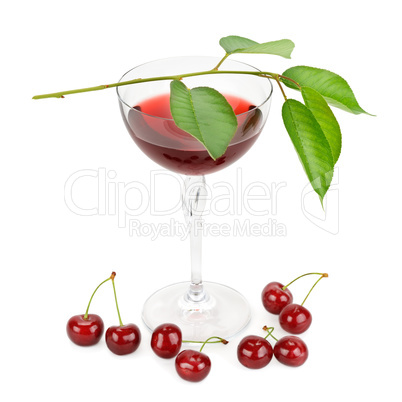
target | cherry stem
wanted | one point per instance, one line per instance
(93, 294)
(115, 298)
(322, 276)
(201, 341)
(270, 330)
(221, 340)
(301, 276)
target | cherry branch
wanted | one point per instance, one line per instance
(61, 94)
(280, 86)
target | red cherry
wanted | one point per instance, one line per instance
(85, 332)
(122, 340)
(192, 365)
(291, 351)
(87, 329)
(295, 319)
(166, 340)
(274, 298)
(254, 352)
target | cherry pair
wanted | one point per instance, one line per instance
(87, 329)
(191, 365)
(256, 352)
(277, 299)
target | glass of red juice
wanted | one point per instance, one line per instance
(200, 308)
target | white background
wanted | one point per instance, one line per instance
(51, 259)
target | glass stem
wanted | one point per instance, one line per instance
(194, 199)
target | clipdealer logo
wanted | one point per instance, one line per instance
(90, 192)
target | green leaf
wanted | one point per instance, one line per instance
(205, 114)
(325, 118)
(238, 44)
(311, 145)
(182, 109)
(232, 43)
(331, 86)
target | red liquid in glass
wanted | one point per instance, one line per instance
(176, 150)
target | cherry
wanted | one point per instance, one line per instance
(192, 365)
(123, 339)
(291, 351)
(274, 298)
(295, 318)
(86, 329)
(166, 340)
(254, 352)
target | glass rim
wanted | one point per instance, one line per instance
(179, 57)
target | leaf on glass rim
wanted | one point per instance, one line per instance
(237, 44)
(205, 114)
(311, 145)
(325, 118)
(331, 86)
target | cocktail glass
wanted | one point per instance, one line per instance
(200, 308)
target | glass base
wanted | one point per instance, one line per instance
(222, 311)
